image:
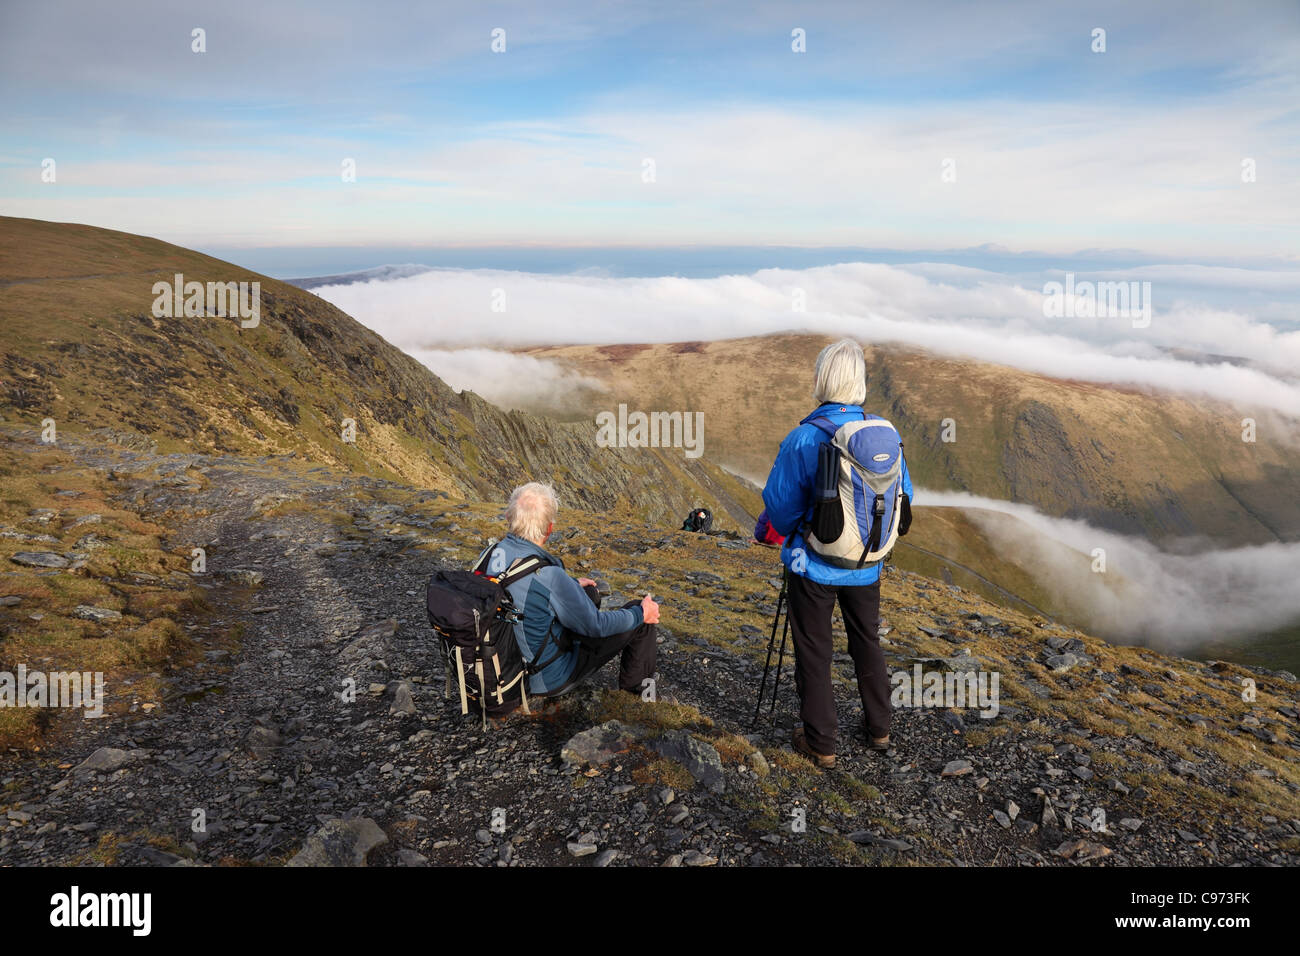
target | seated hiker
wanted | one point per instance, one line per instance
(699, 520)
(764, 533)
(563, 629)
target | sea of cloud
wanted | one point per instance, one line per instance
(1169, 600)
(951, 310)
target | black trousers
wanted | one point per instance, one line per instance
(810, 610)
(639, 648)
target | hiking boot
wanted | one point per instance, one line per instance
(821, 761)
(873, 742)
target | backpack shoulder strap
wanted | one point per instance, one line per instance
(485, 558)
(521, 569)
(824, 423)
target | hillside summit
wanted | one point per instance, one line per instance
(236, 714)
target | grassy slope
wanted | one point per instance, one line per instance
(908, 603)
(82, 347)
(1159, 465)
(128, 569)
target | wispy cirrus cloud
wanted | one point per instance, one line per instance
(1054, 147)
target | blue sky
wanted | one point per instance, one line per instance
(1056, 148)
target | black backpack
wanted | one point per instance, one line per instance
(701, 520)
(474, 616)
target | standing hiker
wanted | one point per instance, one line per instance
(840, 492)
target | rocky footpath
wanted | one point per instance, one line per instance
(314, 730)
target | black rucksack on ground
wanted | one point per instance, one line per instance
(475, 619)
(701, 519)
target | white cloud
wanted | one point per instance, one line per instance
(506, 379)
(992, 320)
(1159, 177)
(1171, 601)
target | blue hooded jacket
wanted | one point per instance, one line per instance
(788, 496)
(550, 601)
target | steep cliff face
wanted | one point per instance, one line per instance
(84, 346)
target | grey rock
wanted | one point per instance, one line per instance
(91, 612)
(403, 702)
(581, 849)
(39, 559)
(700, 759)
(597, 745)
(104, 760)
(1060, 663)
(696, 858)
(341, 843)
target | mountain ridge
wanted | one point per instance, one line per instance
(83, 348)
(1124, 458)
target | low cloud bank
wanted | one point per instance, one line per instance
(957, 312)
(507, 379)
(1145, 595)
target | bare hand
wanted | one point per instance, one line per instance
(649, 610)
(586, 583)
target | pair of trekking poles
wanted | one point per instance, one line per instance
(781, 602)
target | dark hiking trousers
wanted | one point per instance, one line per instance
(810, 610)
(639, 648)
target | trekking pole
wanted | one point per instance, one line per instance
(780, 660)
(771, 642)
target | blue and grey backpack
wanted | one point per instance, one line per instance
(858, 502)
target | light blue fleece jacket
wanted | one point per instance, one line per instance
(549, 601)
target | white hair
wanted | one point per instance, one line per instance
(841, 374)
(531, 510)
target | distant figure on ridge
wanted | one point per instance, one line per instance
(700, 520)
(840, 493)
